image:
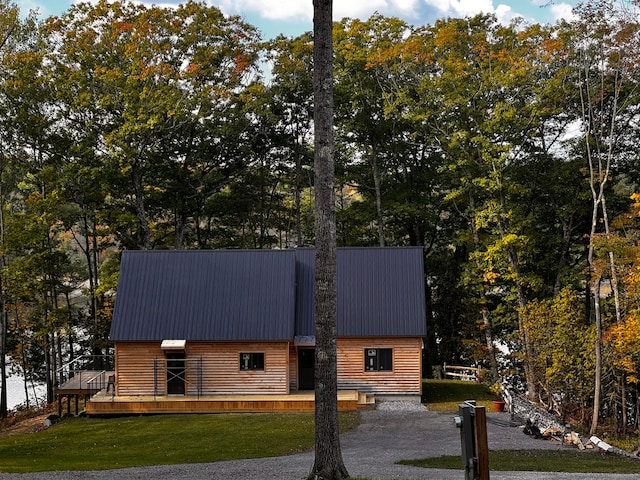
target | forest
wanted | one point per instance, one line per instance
(508, 152)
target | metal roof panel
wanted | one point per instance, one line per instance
(205, 295)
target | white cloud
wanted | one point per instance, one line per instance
(505, 14)
(303, 10)
(462, 8)
(562, 10)
(269, 9)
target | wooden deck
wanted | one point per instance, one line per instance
(79, 383)
(106, 404)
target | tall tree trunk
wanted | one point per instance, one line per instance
(597, 383)
(4, 407)
(48, 351)
(378, 192)
(487, 324)
(328, 464)
(144, 234)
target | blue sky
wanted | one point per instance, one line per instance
(293, 17)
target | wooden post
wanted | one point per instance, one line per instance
(472, 421)
(482, 445)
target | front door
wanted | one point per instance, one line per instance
(176, 373)
(306, 364)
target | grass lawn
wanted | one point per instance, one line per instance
(569, 460)
(103, 443)
(446, 395)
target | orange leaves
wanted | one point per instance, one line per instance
(242, 63)
(124, 26)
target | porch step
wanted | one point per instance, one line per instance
(366, 401)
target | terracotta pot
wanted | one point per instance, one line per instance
(498, 405)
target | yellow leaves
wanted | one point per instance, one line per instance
(624, 341)
(635, 198)
(491, 277)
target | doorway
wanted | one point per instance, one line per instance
(306, 368)
(176, 373)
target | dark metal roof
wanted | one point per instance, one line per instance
(380, 292)
(265, 294)
(205, 295)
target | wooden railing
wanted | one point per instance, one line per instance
(461, 372)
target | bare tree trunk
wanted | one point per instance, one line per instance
(378, 192)
(597, 384)
(328, 464)
(4, 406)
(144, 235)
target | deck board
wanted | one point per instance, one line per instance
(105, 404)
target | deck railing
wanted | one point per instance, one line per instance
(81, 365)
(98, 382)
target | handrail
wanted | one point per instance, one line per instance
(83, 363)
(99, 379)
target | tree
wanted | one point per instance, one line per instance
(328, 464)
(9, 23)
(606, 69)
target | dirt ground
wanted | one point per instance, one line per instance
(11, 426)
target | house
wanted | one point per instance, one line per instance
(197, 323)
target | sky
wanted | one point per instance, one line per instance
(294, 17)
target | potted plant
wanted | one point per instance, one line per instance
(498, 403)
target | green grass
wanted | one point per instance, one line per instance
(98, 444)
(446, 395)
(569, 461)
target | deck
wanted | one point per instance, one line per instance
(106, 404)
(84, 382)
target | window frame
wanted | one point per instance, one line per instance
(383, 359)
(251, 365)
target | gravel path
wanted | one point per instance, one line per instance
(390, 433)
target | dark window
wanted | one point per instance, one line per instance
(252, 361)
(378, 360)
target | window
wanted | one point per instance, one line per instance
(378, 360)
(252, 361)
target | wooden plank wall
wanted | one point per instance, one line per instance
(134, 367)
(404, 379)
(293, 368)
(220, 368)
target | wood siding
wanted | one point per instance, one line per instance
(220, 372)
(221, 367)
(134, 367)
(293, 368)
(404, 379)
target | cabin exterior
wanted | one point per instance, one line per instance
(197, 324)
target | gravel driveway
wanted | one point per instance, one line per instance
(393, 432)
